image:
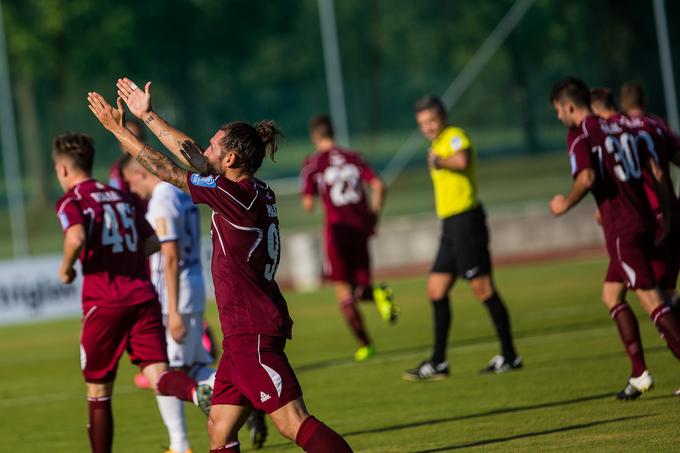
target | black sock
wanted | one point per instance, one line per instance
(442, 321)
(501, 320)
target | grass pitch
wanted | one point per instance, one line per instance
(561, 400)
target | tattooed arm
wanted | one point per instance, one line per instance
(177, 142)
(156, 162)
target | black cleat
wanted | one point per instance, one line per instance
(498, 365)
(427, 371)
(257, 428)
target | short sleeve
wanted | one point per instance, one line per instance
(164, 218)
(579, 152)
(69, 213)
(308, 184)
(225, 197)
(367, 173)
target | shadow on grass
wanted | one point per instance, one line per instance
(489, 413)
(499, 440)
(528, 333)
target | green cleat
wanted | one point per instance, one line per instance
(364, 353)
(203, 397)
(384, 300)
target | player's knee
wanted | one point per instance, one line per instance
(218, 430)
(288, 427)
(436, 292)
(482, 288)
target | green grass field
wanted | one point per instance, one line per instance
(561, 400)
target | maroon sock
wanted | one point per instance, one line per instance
(233, 447)
(665, 320)
(178, 384)
(629, 332)
(351, 313)
(100, 424)
(315, 437)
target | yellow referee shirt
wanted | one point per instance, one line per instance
(454, 191)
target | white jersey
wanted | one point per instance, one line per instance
(175, 217)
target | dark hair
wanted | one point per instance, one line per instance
(251, 143)
(77, 147)
(322, 125)
(633, 96)
(572, 89)
(430, 102)
(602, 96)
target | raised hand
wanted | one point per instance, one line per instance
(137, 100)
(112, 119)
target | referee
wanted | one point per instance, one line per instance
(464, 244)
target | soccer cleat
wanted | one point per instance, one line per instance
(636, 386)
(170, 450)
(384, 300)
(498, 365)
(257, 428)
(203, 397)
(427, 371)
(364, 353)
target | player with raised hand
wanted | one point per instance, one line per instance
(338, 176)
(666, 258)
(177, 275)
(111, 239)
(254, 370)
(189, 153)
(607, 161)
(464, 244)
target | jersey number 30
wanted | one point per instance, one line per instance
(111, 234)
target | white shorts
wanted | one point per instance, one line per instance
(191, 351)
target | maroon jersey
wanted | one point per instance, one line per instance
(660, 146)
(113, 260)
(672, 136)
(611, 151)
(337, 176)
(116, 179)
(246, 252)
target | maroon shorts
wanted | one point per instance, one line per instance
(630, 261)
(108, 331)
(254, 371)
(347, 258)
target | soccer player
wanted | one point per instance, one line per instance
(254, 370)
(338, 176)
(666, 258)
(607, 161)
(177, 275)
(121, 312)
(464, 244)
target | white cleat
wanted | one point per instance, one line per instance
(636, 386)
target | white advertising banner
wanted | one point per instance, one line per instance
(30, 290)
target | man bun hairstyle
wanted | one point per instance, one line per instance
(604, 97)
(633, 96)
(430, 102)
(571, 89)
(322, 125)
(79, 148)
(251, 143)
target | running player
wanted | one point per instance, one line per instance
(606, 161)
(254, 370)
(464, 244)
(337, 176)
(666, 258)
(120, 307)
(177, 275)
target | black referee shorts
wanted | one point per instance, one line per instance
(464, 245)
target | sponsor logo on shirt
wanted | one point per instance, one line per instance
(203, 181)
(456, 143)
